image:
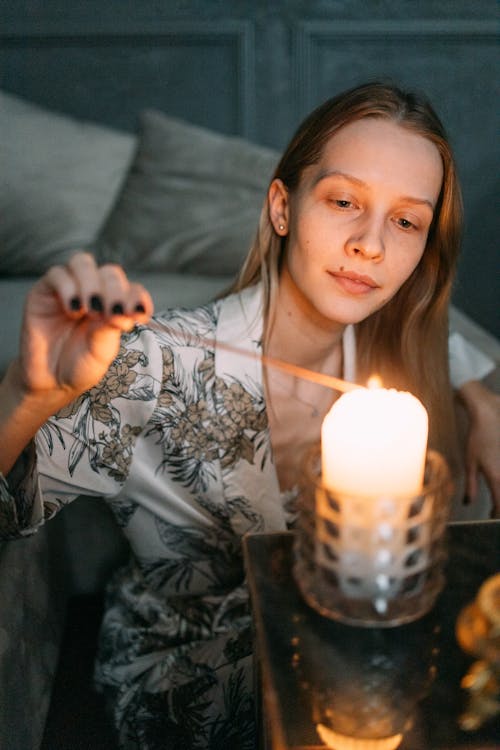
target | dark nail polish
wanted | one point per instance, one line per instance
(75, 303)
(140, 308)
(117, 309)
(466, 500)
(96, 303)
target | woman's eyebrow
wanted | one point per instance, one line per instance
(327, 173)
(418, 201)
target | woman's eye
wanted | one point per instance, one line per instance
(405, 223)
(342, 203)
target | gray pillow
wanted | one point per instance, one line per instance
(58, 180)
(191, 201)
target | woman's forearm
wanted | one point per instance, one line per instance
(22, 413)
(483, 440)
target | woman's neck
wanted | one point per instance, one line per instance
(297, 407)
(298, 334)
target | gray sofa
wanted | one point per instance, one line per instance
(176, 205)
(173, 206)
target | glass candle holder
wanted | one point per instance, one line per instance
(366, 686)
(374, 561)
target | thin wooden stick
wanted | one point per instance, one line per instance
(328, 381)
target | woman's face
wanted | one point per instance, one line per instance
(358, 222)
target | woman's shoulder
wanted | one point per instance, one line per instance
(182, 326)
(199, 327)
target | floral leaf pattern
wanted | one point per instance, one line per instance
(204, 560)
(123, 511)
(113, 445)
(175, 442)
(48, 432)
(236, 729)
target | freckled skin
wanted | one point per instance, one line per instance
(364, 209)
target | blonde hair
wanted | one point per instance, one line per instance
(406, 341)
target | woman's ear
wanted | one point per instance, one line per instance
(277, 197)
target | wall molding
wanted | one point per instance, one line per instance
(311, 34)
(164, 33)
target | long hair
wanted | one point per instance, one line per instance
(406, 341)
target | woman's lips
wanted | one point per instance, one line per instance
(354, 283)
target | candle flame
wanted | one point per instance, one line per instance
(374, 381)
(338, 741)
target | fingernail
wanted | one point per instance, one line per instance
(140, 308)
(75, 303)
(117, 309)
(96, 303)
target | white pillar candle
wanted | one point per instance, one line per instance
(373, 444)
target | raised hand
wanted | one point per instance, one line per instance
(73, 319)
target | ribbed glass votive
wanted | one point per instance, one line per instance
(374, 561)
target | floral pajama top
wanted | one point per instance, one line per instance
(175, 439)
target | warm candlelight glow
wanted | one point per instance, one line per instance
(374, 443)
(374, 381)
(338, 741)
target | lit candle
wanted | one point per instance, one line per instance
(373, 444)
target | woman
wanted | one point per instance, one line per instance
(193, 446)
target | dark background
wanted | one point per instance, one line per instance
(256, 67)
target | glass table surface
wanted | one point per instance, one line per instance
(366, 680)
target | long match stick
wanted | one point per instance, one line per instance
(328, 381)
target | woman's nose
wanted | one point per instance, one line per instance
(367, 241)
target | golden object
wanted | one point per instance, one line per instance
(341, 742)
(478, 633)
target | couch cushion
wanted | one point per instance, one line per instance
(58, 180)
(191, 200)
(33, 602)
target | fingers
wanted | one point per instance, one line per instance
(64, 285)
(122, 297)
(493, 482)
(473, 469)
(86, 289)
(471, 482)
(495, 508)
(83, 269)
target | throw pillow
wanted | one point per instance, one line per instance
(191, 201)
(58, 179)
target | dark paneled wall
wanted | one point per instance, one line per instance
(256, 68)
